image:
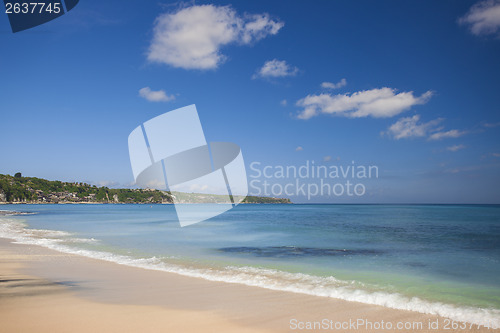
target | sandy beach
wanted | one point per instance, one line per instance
(46, 291)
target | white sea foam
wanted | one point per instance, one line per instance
(14, 229)
(12, 212)
(259, 277)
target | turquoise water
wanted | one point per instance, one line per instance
(442, 259)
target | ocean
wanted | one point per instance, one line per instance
(437, 259)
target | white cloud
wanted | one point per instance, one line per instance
(409, 127)
(299, 148)
(155, 95)
(448, 134)
(455, 148)
(192, 37)
(377, 103)
(284, 102)
(327, 158)
(496, 154)
(329, 85)
(258, 26)
(276, 68)
(483, 18)
(491, 125)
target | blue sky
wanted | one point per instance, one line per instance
(411, 87)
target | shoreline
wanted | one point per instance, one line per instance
(85, 203)
(30, 303)
(106, 284)
(137, 203)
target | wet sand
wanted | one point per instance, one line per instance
(42, 290)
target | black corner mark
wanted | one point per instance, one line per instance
(70, 4)
(26, 14)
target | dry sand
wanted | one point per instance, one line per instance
(46, 291)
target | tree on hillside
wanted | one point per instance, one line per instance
(18, 175)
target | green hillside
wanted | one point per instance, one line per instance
(18, 189)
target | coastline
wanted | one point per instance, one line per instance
(84, 203)
(31, 190)
(30, 303)
(132, 203)
(122, 296)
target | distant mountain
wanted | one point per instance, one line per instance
(18, 189)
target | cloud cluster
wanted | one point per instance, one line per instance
(411, 127)
(483, 18)
(192, 37)
(455, 148)
(447, 134)
(276, 68)
(330, 85)
(155, 96)
(377, 103)
(491, 125)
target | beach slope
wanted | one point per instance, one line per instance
(46, 291)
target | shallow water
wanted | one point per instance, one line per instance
(441, 259)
